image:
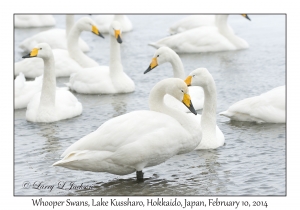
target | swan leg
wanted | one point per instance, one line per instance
(139, 175)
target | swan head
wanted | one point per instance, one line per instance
(199, 77)
(178, 89)
(246, 16)
(115, 30)
(161, 55)
(42, 50)
(87, 24)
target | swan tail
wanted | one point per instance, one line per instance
(225, 113)
(68, 85)
(155, 45)
(86, 160)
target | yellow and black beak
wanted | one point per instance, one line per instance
(246, 16)
(188, 103)
(188, 81)
(118, 36)
(96, 31)
(32, 54)
(152, 65)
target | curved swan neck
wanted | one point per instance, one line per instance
(75, 51)
(115, 64)
(225, 30)
(156, 103)
(49, 84)
(73, 46)
(208, 119)
(177, 65)
(69, 23)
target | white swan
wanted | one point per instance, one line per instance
(139, 139)
(28, 21)
(56, 38)
(50, 104)
(24, 91)
(104, 22)
(66, 62)
(268, 107)
(104, 79)
(192, 21)
(204, 39)
(212, 136)
(164, 55)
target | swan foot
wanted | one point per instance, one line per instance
(139, 176)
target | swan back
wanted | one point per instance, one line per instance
(268, 107)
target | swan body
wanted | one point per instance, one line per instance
(104, 21)
(28, 21)
(104, 79)
(139, 139)
(66, 62)
(24, 91)
(51, 104)
(212, 137)
(204, 39)
(192, 21)
(56, 38)
(268, 107)
(164, 55)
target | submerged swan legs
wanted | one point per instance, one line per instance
(139, 175)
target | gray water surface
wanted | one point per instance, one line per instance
(252, 162)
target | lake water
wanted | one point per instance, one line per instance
(253, 160)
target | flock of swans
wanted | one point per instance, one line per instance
(143, 138)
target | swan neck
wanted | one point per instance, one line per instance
(208, 119)
(226, 31)
(73, 46)
(221, 20)
(177, 65)
(69, 23)
(115, 64)
(49, 84)
(75, 51)
(156, 103)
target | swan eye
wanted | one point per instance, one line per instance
(157, 55)
(193, 75)
(41, 48)
(181, 90)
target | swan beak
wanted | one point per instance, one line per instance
(188, 103)
(96, 31)
(118, 36)
(246, 16)
(152, 65)
(32, 54)
(188, 81)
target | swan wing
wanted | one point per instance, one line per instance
(151, 130)
(267, 107)
(201, 39)
(28, 21)
(91, 80)
(24, 91)
(66, 106)
(192, 21)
